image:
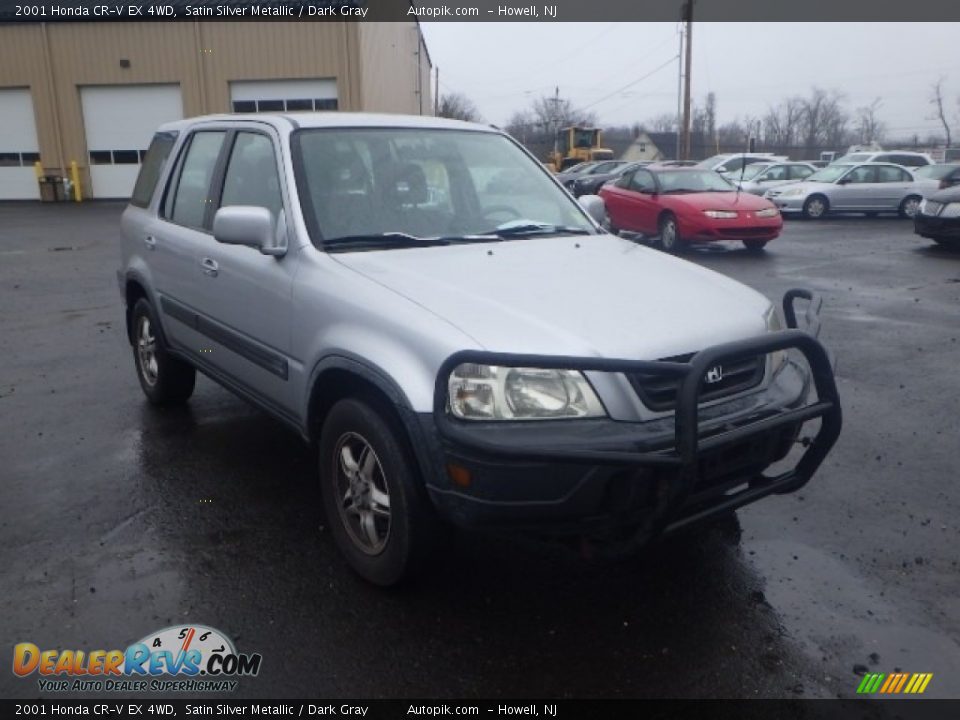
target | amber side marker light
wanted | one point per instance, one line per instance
(459, 475)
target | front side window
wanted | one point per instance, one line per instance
(424, 183)
(862, 174)
(642, 181)
(800, 172)
(187, 204)
(252, 177)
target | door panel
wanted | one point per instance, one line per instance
(246, 293)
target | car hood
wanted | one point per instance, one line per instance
(739, 201)
(947, 195)
(589, 296)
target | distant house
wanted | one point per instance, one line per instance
(656, 146)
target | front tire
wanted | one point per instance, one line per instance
(909, 207)
(165, 379)
(377, 510)
(670, 234)
(815, 207)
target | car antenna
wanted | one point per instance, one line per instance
(743, 168)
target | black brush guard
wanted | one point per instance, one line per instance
(688, 444)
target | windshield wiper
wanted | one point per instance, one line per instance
(399, 240)
(537, 229)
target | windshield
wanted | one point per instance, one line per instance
(829, 174)
(856, 157)
(751, 171)
(578, 168)
(399, 184)
(937, 172)
(680, 181)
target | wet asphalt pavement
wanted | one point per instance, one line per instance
(117, 519)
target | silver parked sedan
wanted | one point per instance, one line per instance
(869, 188)
(760, 177)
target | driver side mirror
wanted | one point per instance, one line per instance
(594, 206)
(845, 180)
(247, 225)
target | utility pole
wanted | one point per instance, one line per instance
(688, 12)
(679, 88)
(556, 120)
(436, 95)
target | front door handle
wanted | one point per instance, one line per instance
(210, 267)
(151, 242)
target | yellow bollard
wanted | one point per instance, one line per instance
(75, 179)
(38, 169)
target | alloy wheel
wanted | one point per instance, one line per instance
(364, 497)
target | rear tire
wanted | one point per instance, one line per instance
(377, 509)
(755, 245)
(815, 207)
(670, 234)
(909, 207)
(165, 379)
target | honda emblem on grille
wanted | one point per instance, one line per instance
(714, 374)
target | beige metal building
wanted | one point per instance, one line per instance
(94, 92)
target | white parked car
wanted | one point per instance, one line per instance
(869, 188)
(906, 158)
(730, 164)
(760, 177)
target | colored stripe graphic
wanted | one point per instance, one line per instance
(894, 683)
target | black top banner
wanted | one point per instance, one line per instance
(479, 10)
(316, 709)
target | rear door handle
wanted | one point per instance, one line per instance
(151, 242)
(210, 267)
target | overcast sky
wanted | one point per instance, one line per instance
(750, 66)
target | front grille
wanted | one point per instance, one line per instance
(737, 375)
(744, 232)
(931, 207)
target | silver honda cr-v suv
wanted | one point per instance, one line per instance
(460, 350)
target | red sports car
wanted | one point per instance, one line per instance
(682, 205)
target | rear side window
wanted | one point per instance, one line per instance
(799, 172)
(152, 167)
(187, 205)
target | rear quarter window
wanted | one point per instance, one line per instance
(152, 168)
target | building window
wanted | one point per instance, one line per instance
(290, 105)
(101, 157)
(126, 157)
(9, 159)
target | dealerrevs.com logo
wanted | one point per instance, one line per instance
(187, 658)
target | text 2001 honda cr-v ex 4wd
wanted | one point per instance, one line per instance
(458, 354)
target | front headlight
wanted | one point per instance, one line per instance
(489, 392)
(767, 212)
(775, 324)
(720, 214)
(793, 192)
(950, 210)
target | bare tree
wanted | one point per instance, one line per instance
(666, 122)
(458, 107)
(869, 127)
(936, 99)
(781, 124)
(711, 115)
(823, 121)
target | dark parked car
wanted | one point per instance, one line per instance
(590, 184)
(567, 179)
(938, 217)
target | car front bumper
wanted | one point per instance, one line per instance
(788, 204)
(708, 229)
(939, 228)
(600, 476)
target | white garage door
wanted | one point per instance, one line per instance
(119, 121)
(18, 146)
(249, 96)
